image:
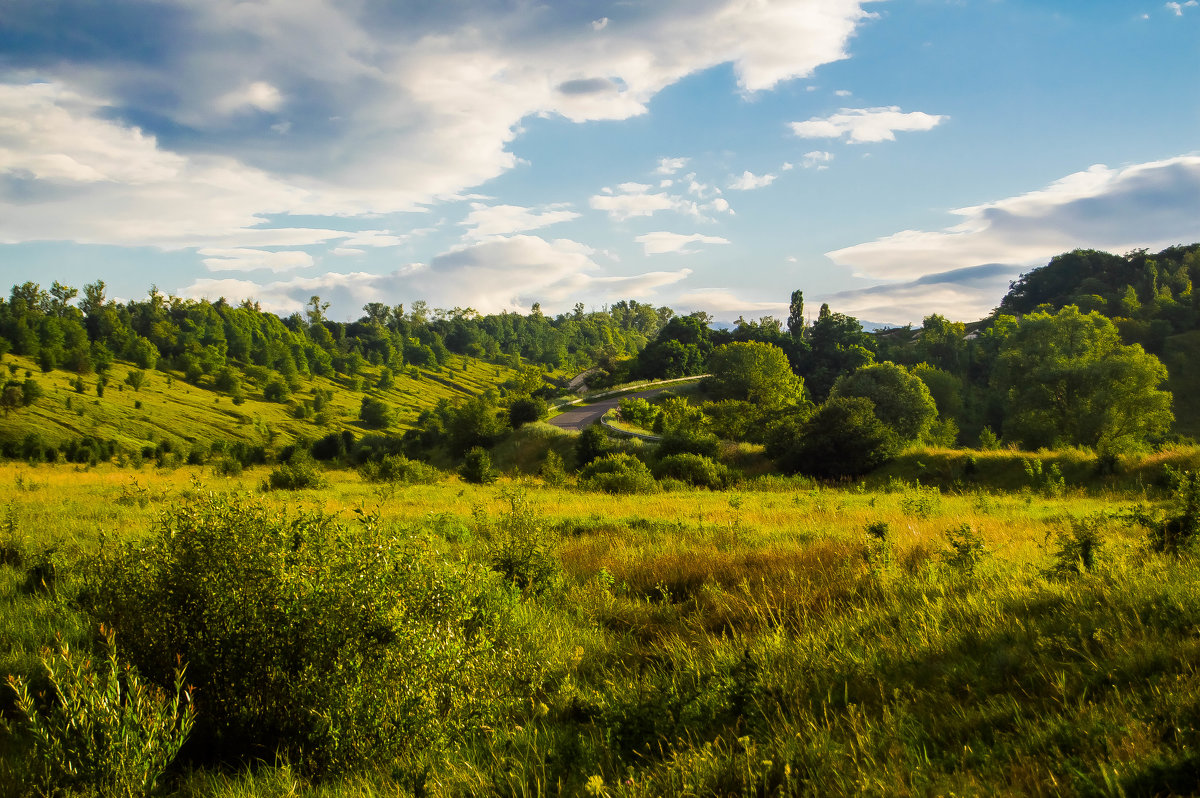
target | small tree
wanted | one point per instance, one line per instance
(375, 413)
(477, 467)
(842, 438)
(136, 379)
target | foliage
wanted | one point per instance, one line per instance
(618, 473)
(592, 444)
(1078, 545)
(104, 728)
(842, 438)
(638, 411)
(375, 413)
(1068, 380)
(526, 409)
(299, 472)
(553, 472)
(521, 546)
(693, 469)
(754, 372)
(966, 550)
(902, 401)
(398, 469)
(1176, 531)
(477, 467)
(328, 646)
(677, 416)
(683, 441)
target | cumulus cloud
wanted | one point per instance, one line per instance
(246, 260)
(817, 159)
(861, 125)
(502, 273)
(635, 199)
(669, 166)
(390, 107)
(493, 220)
(1152, 205)
(748, 181)
(960, 295)
(661, 243)
(1177, 8)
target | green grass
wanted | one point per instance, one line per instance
(172, 408)
(753, 642)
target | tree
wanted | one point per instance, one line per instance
(135, 379)
(838, 346)
(754, 372)
(375, 413)
(842, 438)
(477, 467)
(1069, 381)
(902, 401)
(795, 322)
(11, 397)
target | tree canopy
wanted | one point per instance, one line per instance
(755, 372)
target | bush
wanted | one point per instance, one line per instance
(685, 442)
(638, 411)
(105, 729)
(694, 469)
(1176, 532)
(477, 467)
(375, 413)
(522, 546)
(526, 409)
(276, 390)
(618, 473)
(396, 468)
(842, 438)
(334, 648)
(592, 444)
(298, 473)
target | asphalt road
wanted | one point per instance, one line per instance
(579, 416)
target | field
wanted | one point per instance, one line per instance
(888, 638)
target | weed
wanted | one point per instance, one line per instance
(921, 502)
(522, 546)
(1078, 546)
(966, 549)
(102, 727)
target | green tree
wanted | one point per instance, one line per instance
(754, 372)
(843, 437)
(375, 413)
(795, 322)
(1068, 380)
(901, 400)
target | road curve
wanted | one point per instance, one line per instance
(579, 416)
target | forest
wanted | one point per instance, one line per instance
(247, 555)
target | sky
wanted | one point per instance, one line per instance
(893, 158)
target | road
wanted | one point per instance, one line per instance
(579, 416)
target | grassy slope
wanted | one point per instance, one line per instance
(172, 408)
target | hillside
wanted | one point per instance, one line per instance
(167, 408)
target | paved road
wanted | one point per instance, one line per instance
(579, 416)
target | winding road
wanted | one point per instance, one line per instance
(577, 417)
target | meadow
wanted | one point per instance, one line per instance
(961, 623)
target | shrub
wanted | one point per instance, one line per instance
(592, 444)
(638, 411)
(105, 728)
(522, 546)
(1176, 532)
(842, 438)
(276, 390)
(375, 413)
(689, 442)
(694, 469)
(526, 409)
(618, 473)
(298, 473)
(1078, 546)
(331, 647)
(553, 472)
(477, 467)
(396, 468)
(966, 549)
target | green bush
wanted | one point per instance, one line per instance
(618, 473)
(694, 469)
(398, 469)
(103, 728)
(331, 647)
(522, 546)
(842, 438)
(689, 442)
(477, 467)
(298, 473)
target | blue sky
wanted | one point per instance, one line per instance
(894, 158)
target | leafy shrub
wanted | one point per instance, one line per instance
(1046, 481)
(689, 442)
(526, 409)
(618, 473)
(104, 729)
(694, 469)
(920, 501)
(477, 467)
(227, 467)
(553, 472)
(1178, 531)
(638, 411)
(396, 468)
(842, 438)
(276, 390)
(375, 413)
(1078, 546)
(331, 647)
(522, 546)
(592, 444)
(298, 473)
(966, 549)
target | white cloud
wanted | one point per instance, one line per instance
(750, 181)
(374, 238)
(502, 273)
(818, 159)
(245, 260)
(960, 295)
(787, 166)
(600, 24)
(724, 301)
(259, 95)
(635, 199)
(719, 205)
(493, 220)
(1178, 7)
(669, 166)
(661, 243)
(866, 124)
(1152, 205)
